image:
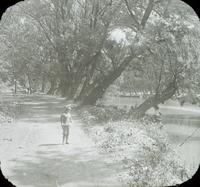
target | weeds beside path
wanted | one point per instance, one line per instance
(31, 152)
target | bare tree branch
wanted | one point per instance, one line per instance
(111, 59)
(147, 13)
(131, 14)
(41, 26)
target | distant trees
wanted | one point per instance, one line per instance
(22, 56)
(66, 47)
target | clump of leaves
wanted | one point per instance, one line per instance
(101, 114)
(140, 145)
(155, 168)
(6, 113)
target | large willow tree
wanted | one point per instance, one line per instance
(71, 43)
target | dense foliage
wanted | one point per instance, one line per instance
(141, 146)
(80, 48)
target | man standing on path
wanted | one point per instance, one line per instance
(66, 120)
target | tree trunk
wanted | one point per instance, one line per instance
(100, 87)
(15, 82)
(52, 87)
(66, 88)
(62, 88)
(156, 99)
(83, 90)
(43, 83)
(29, 84)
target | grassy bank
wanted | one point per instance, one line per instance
(6, 114)
(141, 146)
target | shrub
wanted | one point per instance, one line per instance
(100, 114)
(6, 114)
(139, 145)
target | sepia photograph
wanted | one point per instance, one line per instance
(99, 93)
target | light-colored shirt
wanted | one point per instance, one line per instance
(66, 118)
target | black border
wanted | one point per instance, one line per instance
(195, 181)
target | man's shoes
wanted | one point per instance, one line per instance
(67, 142)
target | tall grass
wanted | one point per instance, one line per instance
(140, 146)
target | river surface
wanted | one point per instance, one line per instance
(182, 124)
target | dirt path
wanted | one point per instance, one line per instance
(31, 152)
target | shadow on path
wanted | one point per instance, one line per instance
(77, 169)
(42, 161)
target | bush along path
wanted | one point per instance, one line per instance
(35, 155)
(140, 146)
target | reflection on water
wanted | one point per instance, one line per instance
(184, 134)
(180, 123)
(122, 101)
